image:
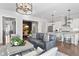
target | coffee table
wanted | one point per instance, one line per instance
(9, 50)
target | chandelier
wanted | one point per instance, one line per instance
(68, 19)
(52, 18)
(24, 8)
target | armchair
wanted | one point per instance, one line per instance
(51, 41)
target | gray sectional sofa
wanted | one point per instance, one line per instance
(43, 40)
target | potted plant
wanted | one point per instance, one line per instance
(16, 41)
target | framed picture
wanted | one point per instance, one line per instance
(50, 28)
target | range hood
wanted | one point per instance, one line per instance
(66, 29)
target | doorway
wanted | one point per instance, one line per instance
(29, 27)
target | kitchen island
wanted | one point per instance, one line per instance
(68, 37)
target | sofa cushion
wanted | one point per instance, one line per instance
(35, 52)
(52, 37)
(40, 36)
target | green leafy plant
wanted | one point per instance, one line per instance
(17, 41)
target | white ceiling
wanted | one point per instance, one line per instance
(8, 6)
(45, 10)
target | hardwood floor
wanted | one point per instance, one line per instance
(68, 49)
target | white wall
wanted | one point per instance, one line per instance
(75, 24)
(42, 23)
(43, 26)
(19, 19)
(58, 25)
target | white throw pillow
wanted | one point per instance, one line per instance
(33, 53)
(34, 35)
(39, 50)
(51, 52)
(46, 37)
